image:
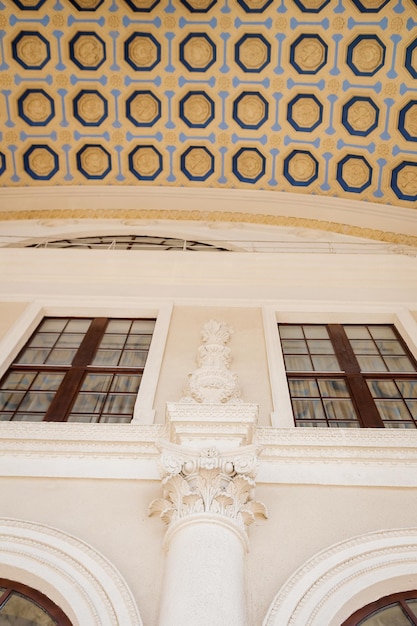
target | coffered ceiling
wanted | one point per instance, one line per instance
(314, 97)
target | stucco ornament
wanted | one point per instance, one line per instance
(212, 381)
(208, 481)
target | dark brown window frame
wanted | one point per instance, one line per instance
(75, 372)
(350, 371)
(38, 598)
(395, 598)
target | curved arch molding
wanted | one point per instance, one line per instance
(341, 579)
(348, 217)
(74, 575)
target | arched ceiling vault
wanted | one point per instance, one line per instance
(313, 99)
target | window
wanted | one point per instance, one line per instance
(399, 609)
(23, 606)
(349, 376)
(77, 370)
(129, 242)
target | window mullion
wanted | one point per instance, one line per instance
(60, 406)
(361, 396)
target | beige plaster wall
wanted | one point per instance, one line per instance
(9, 312)
(247, 345)
(111, 515)
(304, 520)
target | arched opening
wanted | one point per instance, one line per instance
(20, 604)
(398, 608)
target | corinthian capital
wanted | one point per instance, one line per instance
(208, 481)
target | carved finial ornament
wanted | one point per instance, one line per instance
(212, 381)
(208, 481)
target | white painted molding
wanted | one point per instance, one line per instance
(80, 580)
(335, 583)
(340, 210)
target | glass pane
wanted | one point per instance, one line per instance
(36, 401)
(303, 388)
(339, 410)
(392, 410)
(400, 424)
(18, 380)
(78, 326)
(383, 389)
(9, 400)
(338, 424)
(28, 417)
(371, 364)
(115, 419)
(333, 388)
(96, 382)
(70, 340)
(51, 325)
(323, 346)
(412, 407)
(126, 384)
(356, 331)
(43, 340)
(292, 346)
(32, 355)
(412, 605)
(325, 363)
(360, 346)
(298, 364)
(408, 388)
(85, 419)
(119, 326)
(390, 347)
(61, 356)
(316, 332)
(291, 332)
(308, 409)
(314, 424)
(46, 381)
(399, 364)
(390, 616)
(122, 403)
(113, 341)
(133, 358)
(107, 357)
(20, 611)
(138, 341)
(382, 332)
(143, 326)
(89, 403)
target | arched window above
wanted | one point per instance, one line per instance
(23, 606)
(398, 609)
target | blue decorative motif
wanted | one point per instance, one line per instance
(360, 116)
(305, 112)
(354, 173)
(40, 162)
(301, 168)
(93, 161)
(198, 7)
(404, 181)
(253, 52)
(143, 108)
(250, 109)
(142, 51)
(304, 6)
(2, 163)
(308, 54)
(87, 50)
(36, 107)
(31, 50)
(373, 9)
(90, 107)
(32, 6)
(248, 165)
(145, 162)
(197, 163)
(410, 59)
(366, 55)
(197, 52)
(140, 6)
(255, 7)
(90, 6)
(197, 109)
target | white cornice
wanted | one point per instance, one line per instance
(205, 202)
(293, 456)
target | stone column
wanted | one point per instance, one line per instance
(207, 504)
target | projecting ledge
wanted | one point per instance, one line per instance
(225, 426)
